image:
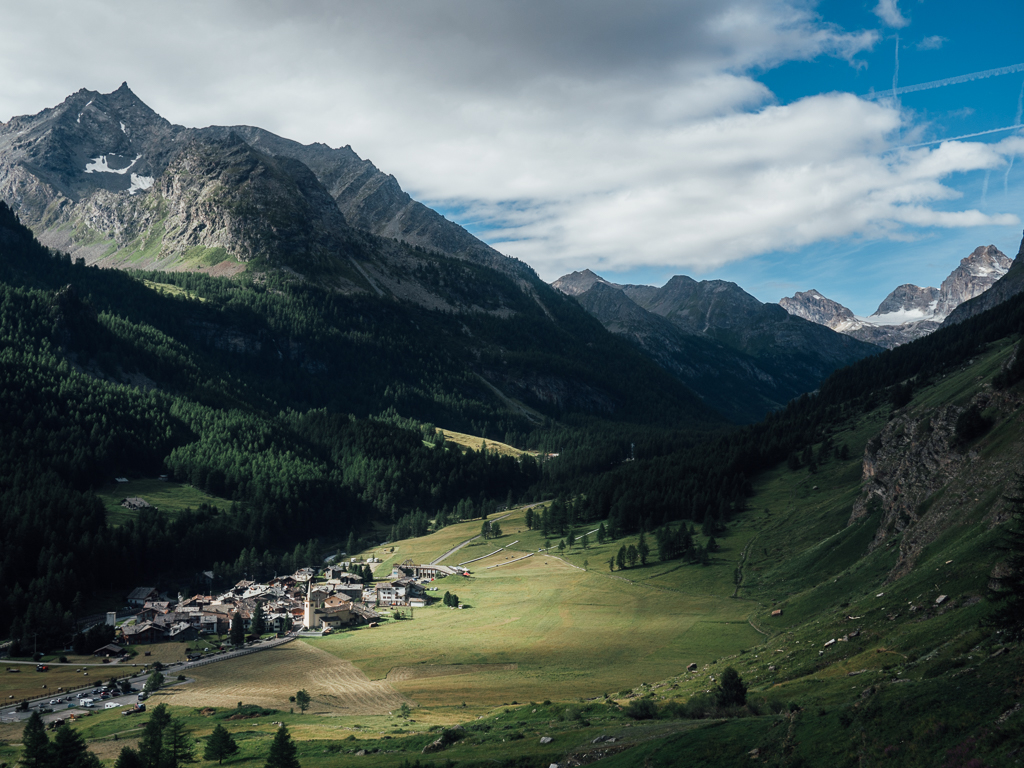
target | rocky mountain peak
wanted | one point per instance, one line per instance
(577, 283)
(811, 305)
(975, 275)
(906, 303)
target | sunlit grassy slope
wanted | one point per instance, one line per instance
(568, 632)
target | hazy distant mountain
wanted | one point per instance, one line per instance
(909, 311)
(743, 357)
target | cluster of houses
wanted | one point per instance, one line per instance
(298, 601)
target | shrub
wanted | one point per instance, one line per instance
(642, 709)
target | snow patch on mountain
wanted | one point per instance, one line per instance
(140, 183)
(908, 315)
(101, 165)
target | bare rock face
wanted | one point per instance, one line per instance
(918, 478)
(909, 301)
(578, 283)
(811, 305)
(1007, 286)
(908, 461)
(975, 275)
(106, 179)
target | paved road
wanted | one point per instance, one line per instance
(452, 551)
(10, 715)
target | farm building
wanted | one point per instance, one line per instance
(141, 595)
(136, 503)
(110, 649)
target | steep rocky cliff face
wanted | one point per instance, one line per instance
(975, 275)
(920, 474)
(373, 201)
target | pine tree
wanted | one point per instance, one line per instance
(602, 535)
(283, 753)
(731, 690)
(178, 746)
(151, 744)
(302, 699)
(128, 758)
(69, 751)
(237, 632)
(37, 747)
(219, 745)
(643, 550)
(259, 624)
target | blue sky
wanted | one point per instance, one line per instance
(723, 139)
(940, 40)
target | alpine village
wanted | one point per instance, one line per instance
(296, 471)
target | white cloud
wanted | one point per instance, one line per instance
(579, 133)
(888, 11)
(931, 43)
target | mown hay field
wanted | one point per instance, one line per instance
(270, 677)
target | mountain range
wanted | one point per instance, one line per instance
(909, 311)
(744, 357)
(105, 179)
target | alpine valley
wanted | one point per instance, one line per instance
(254, 387)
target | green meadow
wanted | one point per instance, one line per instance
(551, 629)
(168, 496)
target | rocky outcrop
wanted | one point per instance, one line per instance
(908, 301)
(919, 477)
(578, 283)
(373, 201)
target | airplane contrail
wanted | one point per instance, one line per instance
(957, 138)
(947, 81)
